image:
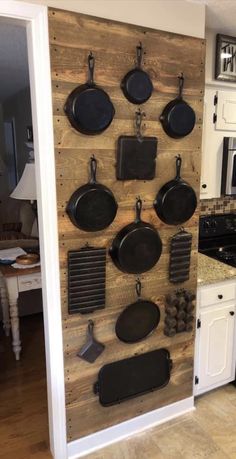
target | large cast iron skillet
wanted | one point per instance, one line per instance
(137, 247)
(89, 108)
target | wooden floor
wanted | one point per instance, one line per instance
(208, 432)
(23, 404)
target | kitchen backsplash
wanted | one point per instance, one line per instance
(222, 205)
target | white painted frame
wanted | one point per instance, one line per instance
(35, 18)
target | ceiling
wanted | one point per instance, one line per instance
(14, 74)
(220, 15)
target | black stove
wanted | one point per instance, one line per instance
(217, 237)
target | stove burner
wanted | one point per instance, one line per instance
(227, 253)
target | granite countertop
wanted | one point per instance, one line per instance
(211, 271)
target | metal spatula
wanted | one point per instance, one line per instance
(91, 350)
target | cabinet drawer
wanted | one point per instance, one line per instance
(217, 294)
(29, 282)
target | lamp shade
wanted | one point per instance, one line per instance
(26, 187)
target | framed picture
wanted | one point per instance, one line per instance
(225, 64)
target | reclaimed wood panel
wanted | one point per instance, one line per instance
(72, 36)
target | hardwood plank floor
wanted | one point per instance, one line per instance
(208, 432)
(23, 399)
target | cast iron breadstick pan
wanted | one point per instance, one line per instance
(136, 84)
(137, 247)
(92, 207)
(176, 201)
(89, 108)
(138, 319)
(178, 118)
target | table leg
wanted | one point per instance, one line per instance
(12, 289)
(5, 306)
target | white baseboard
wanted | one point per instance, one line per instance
(98, 440)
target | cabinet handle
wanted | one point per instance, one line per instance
(231, 313)
(204, 185)
(220, 297)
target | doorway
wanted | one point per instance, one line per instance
(22, 362)
(34, 18)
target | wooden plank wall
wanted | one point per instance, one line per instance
(72, 36)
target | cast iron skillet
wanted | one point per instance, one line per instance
(136, 84)
(176, 201)
(178, 118)
(138, 319)
(137, 247)
(93, 206)
(89, 108)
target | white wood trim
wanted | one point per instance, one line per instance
(103, 438)
(40, 81)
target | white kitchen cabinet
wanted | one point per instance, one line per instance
(225, 112)
(215, 348)
(219, 121)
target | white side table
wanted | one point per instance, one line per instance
(12, 282)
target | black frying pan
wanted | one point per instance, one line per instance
(136, 84)
(93, 206)
(138, 319)
(176, 201)
(178, 118)
(88, 107)
(137, 247)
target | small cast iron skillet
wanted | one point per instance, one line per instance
(136, 84)
(178, 118)
(138, 319)
(176, 201)
(137, 247)
(88, 107)
(92, 207)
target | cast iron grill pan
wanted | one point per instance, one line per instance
(136, 155)
(180, 253)
(86, 279)
(129, 378)
(136, 158)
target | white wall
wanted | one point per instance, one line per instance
(177, 16)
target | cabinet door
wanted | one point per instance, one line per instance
(215, 358)
(226, 111)
(212, 147)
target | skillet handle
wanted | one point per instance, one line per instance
(138, 287)
(90, 328)
(138, 123)
(181, 85)
(91, 65)
(93, 169)
(178, 166)
(139, 53)
(138, 208)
